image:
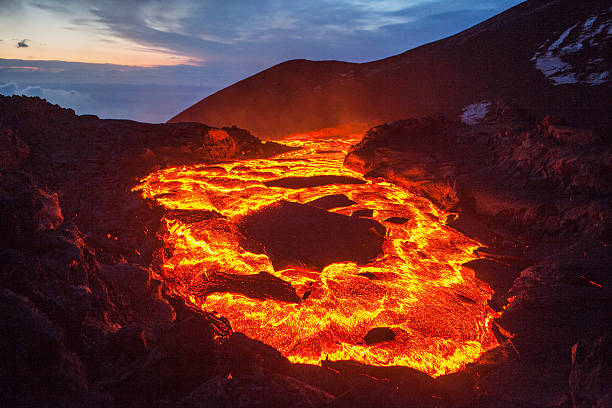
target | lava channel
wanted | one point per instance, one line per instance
(434, 311)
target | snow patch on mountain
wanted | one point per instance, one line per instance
(564, 60)
(474, 113)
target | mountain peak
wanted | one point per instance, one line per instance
(549, 56)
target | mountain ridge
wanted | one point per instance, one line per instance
(494, 60)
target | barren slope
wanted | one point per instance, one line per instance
(551, 57)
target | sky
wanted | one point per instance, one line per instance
(148, 60)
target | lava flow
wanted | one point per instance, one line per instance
(437, 310)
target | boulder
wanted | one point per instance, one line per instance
(257, 286)
(299, 235)
(397, 220)
(366, 213)
(379, 334)
(590, 378)
(13, 150)
(271, 390)
(37, 368)
(134, 283)
(332, 201)
(313, 181)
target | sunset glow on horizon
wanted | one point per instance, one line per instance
(53, 34)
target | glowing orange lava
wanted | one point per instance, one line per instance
(436, 308)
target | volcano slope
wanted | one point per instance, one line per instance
(552, 57)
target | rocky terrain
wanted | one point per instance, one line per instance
(84, 321)
(538, 195)
(86, 324)
(552, 57)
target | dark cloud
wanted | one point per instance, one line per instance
(260, 33)
(23, 44)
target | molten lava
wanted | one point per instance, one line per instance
(437, 310)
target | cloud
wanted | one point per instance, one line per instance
(63, 97)
(9, 89)
(261, 33)
(23, 43)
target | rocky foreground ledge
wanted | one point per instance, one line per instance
(539, 195)
(85, 325)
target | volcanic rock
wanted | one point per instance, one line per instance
(591, 374)
(378, 334)
(259, 286)
(383, 386)
(368, 275)
(129, 341)
(191, 216)
(181, 358)
(313, 181)
(135, 284)
(37, 368)
(14, 151)
(256, 391)
(523, 176)
(92, 165)
(27, 207)
(499, 277)
(537, 194)
(300, 235)
(332, 201)
(397, 220)
(240, 355)
(363, 213)
(83, 323)
(554, 304)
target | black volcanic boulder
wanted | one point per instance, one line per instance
(379, 334)
(367, 213)
(313, 181)
(397, 220)
(299, 235)
(332, 201)
(256, 286)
